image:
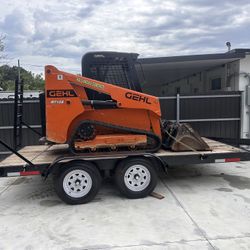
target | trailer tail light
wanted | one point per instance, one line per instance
(227, 160)
(23, 173)
(29, 173)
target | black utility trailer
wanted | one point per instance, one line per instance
(77, 179)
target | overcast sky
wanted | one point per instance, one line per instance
(60, 32)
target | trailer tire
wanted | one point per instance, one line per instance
(135, 178)
(77, 182)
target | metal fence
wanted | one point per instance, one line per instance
(217, 115)
(31, 116)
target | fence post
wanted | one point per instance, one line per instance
(177, 107)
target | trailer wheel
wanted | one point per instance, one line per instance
(77, 182)
(135, 178)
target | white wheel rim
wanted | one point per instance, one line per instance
(77, 183)
(137, 178)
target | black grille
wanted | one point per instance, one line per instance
(116, 74)
(112, 67)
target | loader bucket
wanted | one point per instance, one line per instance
(182, 137)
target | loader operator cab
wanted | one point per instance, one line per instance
(112, 67)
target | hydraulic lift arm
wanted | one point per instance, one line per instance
(124, 98)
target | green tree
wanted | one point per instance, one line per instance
(8, 75)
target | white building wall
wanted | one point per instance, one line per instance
(201, 81)
(244, 81)
(232, 74)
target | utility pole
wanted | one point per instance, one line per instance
(18, 110)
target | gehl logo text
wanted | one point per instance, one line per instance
(138, 98)
(61, 93)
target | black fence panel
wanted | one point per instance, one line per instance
(31, 116)
(168, 109)
(29, 137)
(218, 129)
(210, 107)
(31, 113)
(217, 115)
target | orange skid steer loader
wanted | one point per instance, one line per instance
(128, 120)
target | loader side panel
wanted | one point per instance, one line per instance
(62, 106)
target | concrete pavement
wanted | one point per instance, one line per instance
(205, 207)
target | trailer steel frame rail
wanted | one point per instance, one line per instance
(47, 158)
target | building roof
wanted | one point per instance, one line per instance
(232, 54)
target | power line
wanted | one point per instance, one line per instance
(42, 66)
(32, 65)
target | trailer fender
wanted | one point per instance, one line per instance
(155, 160)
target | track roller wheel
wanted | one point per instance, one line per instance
(135, 178)
(77, 182)
(132, 147)
(93, 149)
(113, 148)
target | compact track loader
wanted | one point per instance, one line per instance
(92, 116)
(127, 120)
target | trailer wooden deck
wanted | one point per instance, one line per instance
(46, 154)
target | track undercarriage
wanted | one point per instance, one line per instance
(95, 136)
